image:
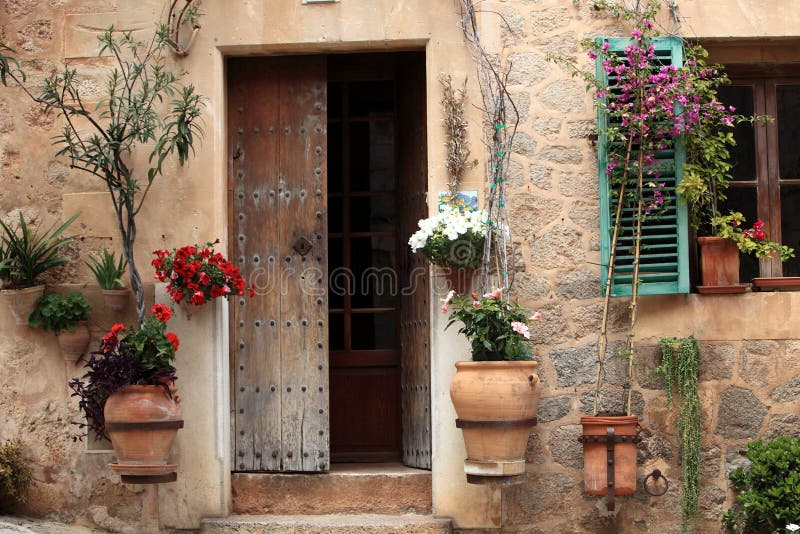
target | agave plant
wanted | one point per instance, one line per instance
(107, 269)
(27, 252)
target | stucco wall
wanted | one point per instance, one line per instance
(748, 365)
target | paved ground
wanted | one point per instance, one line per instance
(22, 525)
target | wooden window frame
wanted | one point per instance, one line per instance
(764, 82)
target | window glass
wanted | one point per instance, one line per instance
(790, 226)
(743, 155)
(788, 101)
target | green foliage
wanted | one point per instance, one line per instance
(753, 241)
(489, 327)
(463, 253)
(680, 369)
(107, 269)
(151, 346)
(143, 105)
(8, 65)
(60, 312)
(15, 475)
(28, 253)
(769, 491)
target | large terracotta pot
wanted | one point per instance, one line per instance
(142, 422)
(74, 343)
(116, 299)
(719, 262)
(595, 453)
(496, 403)
(22, 302)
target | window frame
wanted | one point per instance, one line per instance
(764, 82)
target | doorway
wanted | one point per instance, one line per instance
(330, 363)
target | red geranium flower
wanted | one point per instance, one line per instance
(162, 312)
(172, 339)
(198, 298)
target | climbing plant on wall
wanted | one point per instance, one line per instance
(143, 104)
(500, 118)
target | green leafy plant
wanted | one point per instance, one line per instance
(496, 328)
(15, 474)
(107, 269)
(769, 491)
(751, 241)
(143, 106)
(30, 252)
(143, 355)
(60, 312)
(680, 367)
(452, 238)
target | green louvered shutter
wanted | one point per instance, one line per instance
(664, 255)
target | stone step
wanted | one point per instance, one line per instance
(346, 489)
(327, 524)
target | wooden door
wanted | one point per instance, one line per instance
(415, 308)
(278, 230)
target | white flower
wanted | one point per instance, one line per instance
(792, 527)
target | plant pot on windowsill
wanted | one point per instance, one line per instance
(22, 302)
(719, 266)
(496, 403)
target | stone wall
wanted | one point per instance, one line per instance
(751, 373)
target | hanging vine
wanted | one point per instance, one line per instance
(501, 118)
(680, 367)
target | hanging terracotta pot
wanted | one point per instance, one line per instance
(116, 299)
(460, 280)
(609, 455)
(496, 403)
(74, 343)
(22, 302)
(142, 422)
(719, 266)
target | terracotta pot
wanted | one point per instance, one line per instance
(74, 343)
(116, 299)
(22, 302)
(142, 422)
(719, 261)
(496, 403)
(459, 280)
(595, 454)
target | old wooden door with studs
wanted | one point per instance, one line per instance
(277, 187)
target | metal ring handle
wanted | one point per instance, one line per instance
(655, 475)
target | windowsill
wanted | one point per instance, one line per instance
(785, 283)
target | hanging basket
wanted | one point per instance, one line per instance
(609, 455)
(460, 280)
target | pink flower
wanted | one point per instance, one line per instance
(521, 328)
(494, 294)
(444, 308)
(476, 304)
(536, 316)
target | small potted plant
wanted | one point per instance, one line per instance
(66, 316)
(197, 275)
(719, 253)
(27, 254)
(128, 394)
(453, 240)
(495, 395)
(108, 272)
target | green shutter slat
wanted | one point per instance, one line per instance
(664, 255)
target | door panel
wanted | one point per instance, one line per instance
(415, 309)
(277, 138)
